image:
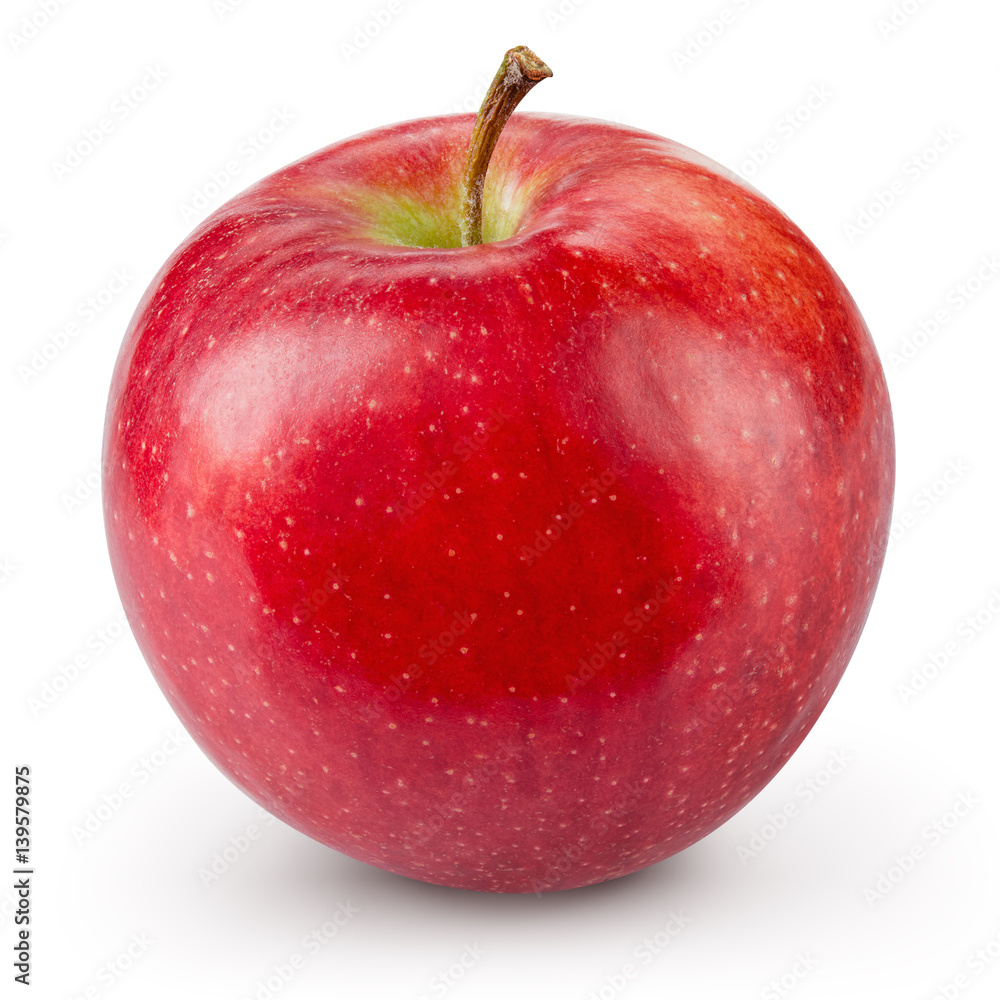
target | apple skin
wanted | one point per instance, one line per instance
(512, 567)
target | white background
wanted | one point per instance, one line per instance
(795, 912)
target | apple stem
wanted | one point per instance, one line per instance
(520, 70)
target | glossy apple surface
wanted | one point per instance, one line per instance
(513, 567)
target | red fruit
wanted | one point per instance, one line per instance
(513, 566)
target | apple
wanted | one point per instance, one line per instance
(506, 535)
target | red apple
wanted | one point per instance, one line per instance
(513, 566)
